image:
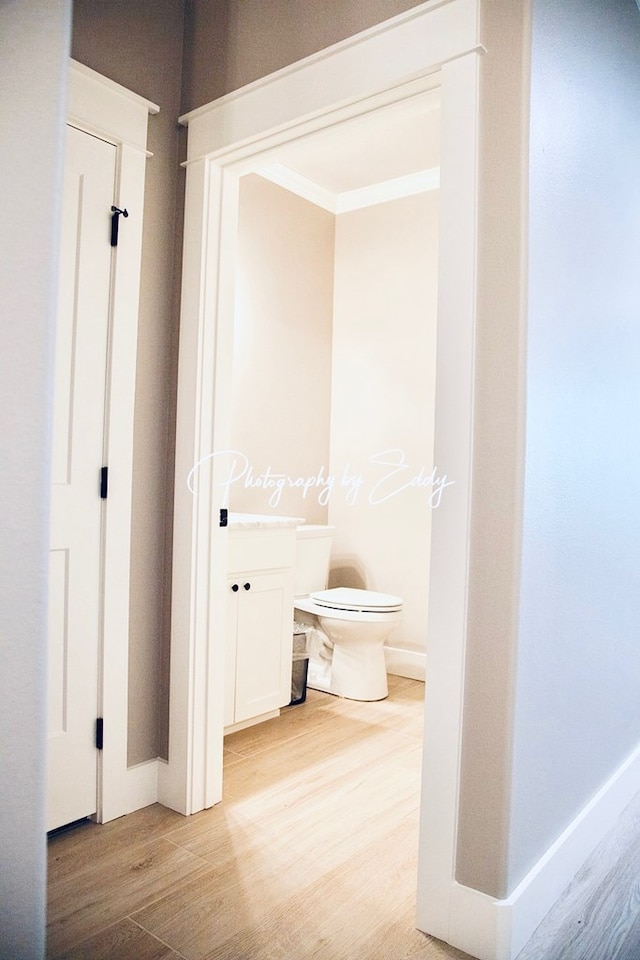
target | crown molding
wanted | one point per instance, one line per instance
(406, 186)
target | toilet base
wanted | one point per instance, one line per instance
(355, 672)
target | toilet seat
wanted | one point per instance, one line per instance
(357, 601)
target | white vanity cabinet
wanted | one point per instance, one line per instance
(259, 632)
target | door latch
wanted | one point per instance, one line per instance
(116, 213)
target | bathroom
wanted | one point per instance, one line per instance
(333, 377)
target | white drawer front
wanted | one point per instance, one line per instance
(260, 550)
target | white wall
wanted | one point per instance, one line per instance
(282, 348)
(334, 362)
(383, 390)
(34, 49)
(577, 706)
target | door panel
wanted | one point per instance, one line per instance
(76, 507)
(263, 645)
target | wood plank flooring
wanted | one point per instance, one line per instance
(310, 856)
(598, 916)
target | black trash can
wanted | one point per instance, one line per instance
(299, 667)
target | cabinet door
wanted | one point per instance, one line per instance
(230, 652)
(263, 643)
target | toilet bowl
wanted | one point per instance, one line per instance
(356, 624)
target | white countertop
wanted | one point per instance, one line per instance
(250, 521)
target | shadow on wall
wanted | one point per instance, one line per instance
(347, 571)
(206, 69)
(228, 44)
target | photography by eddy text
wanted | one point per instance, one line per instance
(387, 475)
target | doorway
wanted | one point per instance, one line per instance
(333, 371)
(407, 56)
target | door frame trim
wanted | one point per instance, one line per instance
(438, 40)
(102, 108)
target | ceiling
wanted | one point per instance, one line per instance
(400, 142)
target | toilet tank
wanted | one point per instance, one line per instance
(313, 554)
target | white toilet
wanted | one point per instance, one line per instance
(356, 622)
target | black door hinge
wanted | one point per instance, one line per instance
(104, 482)
(224, 517)
(99, 733)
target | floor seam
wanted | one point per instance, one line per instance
(156, 937)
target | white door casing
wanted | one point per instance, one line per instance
(76, 507)
(433, 45)
(105, 109)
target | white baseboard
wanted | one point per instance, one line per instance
(137, 788)
(243, 724)
(142, 784)
(491, 929)
(405, 663)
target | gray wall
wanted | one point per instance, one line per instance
(498, 443)
(34, 46)
(577, 712)
(552, 673)
(230, 43)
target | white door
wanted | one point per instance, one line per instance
(76, 504)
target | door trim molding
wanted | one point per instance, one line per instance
(105, 109)
(434, 45)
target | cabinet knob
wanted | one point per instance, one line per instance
(247, 586)
(235, 587)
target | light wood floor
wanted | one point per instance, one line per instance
(310, 856)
